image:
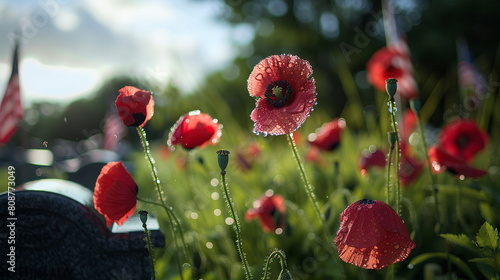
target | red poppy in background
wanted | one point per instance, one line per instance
(286, 93)
(372, 235)
(246, 156)
(409, 169)
(327, 137)
(371, 157)
(270, 210)
(115, 193)
(195, 129)
(409, 124)
(441, 160)
(392, 62)
(135, 106)
(462, 139)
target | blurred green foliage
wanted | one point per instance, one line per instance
(314, 30)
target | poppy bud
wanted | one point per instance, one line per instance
(222, 159)
(415, 106)
(144, 216)
(391, 85)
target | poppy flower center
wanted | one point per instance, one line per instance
(462, 141)
(365, 201)
(277, 93)
(139, 118)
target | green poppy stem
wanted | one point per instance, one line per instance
(416, 110)
(174, 221)
(236, 227)
(392, 112)
(148, 242)
(275, 253)
(388, 168)
(310, 193)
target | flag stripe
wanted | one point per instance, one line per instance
(11, 110)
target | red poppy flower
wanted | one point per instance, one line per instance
(463, 139)
(270, 210)
(392, 62)
(195, 129)
(372, 235)
(245, 157)
(135, 106)
(314, 155)
(441, 160)
(371, 157)
(286, 93)
(409, 169)
(409, 124)
(327, 137)
(115, 193)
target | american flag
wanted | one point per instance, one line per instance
(114, 131)
(11, 110)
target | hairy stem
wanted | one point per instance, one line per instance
(236, 226)
(276, 253)
(392, 106)
(150, 250)
(310, 193)
(174, 221)
(429, 169)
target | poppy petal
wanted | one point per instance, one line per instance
(279, 115)
(135, 106)
(463, 138)
(115, 193)
(195, 129)
(441, 160)
(372, 235)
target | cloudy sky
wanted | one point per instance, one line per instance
(70, 46)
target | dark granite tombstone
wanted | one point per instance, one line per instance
(51, 236)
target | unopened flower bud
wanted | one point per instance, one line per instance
(143, 214)
(222, 159)
(391, 85)
(415, 106)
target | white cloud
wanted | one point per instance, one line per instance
(56, 83)
(67, 20)
(176, 40)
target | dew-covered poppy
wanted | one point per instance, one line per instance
(195, 129)
(371, 157)
(270, 210)
(463, 139)
(327, 137)
(135, 106)
(286, 93)
(393, 61)
(372, 235)
(442, 160)
(115, 193)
